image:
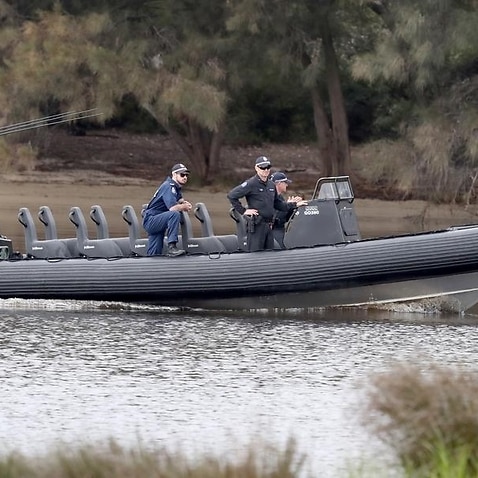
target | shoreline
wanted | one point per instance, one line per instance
(375, 217)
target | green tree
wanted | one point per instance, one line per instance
(95, 60)
(192, 51)
(313, 39)
(429, 50)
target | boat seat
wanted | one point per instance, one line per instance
(137, 244)
(41, 249)
(93, 248)
(46, 218)
(198, 245)
(240, 228)
(229, 241)
(102, 231)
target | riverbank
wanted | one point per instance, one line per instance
(61, 192)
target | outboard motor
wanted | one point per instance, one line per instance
(5, 248)
(329, 217)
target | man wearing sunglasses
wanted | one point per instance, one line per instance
(262, 200)
(163, 214)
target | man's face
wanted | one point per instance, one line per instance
(263, 172)
(181, 178)
(281, 186)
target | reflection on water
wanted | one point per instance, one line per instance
(208, 383)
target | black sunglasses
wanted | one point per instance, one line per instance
(184, 175)
(264, 167)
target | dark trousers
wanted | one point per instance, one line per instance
(157, 225)
(259, 237)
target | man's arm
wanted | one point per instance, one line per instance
(235, 195)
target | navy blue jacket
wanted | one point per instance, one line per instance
(281, 217)
(166, 196)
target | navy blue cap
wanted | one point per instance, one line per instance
(262, 161)
(179, 168)
(279, 177)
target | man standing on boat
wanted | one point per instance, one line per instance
(162, 216)
(262, 200)
(281, 182)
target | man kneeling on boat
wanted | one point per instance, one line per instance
(163, 214)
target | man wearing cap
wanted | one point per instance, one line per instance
(163, 213)
(281, 217)
(262, 201)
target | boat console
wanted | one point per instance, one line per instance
(5, 248)
(329, 217)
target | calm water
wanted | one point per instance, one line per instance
(208, 383)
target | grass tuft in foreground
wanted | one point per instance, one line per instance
(429, 418)
(113, 461)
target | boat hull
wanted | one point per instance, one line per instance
(442, 264)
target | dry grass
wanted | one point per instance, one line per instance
(428, 418)
(114, 461)
(16, 157)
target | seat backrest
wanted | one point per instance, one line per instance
(46, 249)
(78, 220)
(138, 245)
(129, 215)
(202, 214)
(186, 226)
(26, 220)
(98, 217)
(46, 218)
(240, 228)
(93, 248)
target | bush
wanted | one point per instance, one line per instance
(428, 418)
(16, 157)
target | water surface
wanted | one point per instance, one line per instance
(209, 383)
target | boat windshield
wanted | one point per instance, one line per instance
(336, 188)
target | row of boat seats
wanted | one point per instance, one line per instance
(53, 247)
(134, 244)
(44, 249)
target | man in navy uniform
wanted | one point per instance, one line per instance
(262, 200)
(281, 182)
(163, 214)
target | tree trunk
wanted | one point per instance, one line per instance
(340, 129)
(325, 140)
(201, 147)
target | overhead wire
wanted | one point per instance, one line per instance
(49, 121)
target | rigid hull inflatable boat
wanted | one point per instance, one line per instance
(325, 263)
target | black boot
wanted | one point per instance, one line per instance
(173, 251)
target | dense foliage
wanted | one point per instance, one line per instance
(373, 72)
